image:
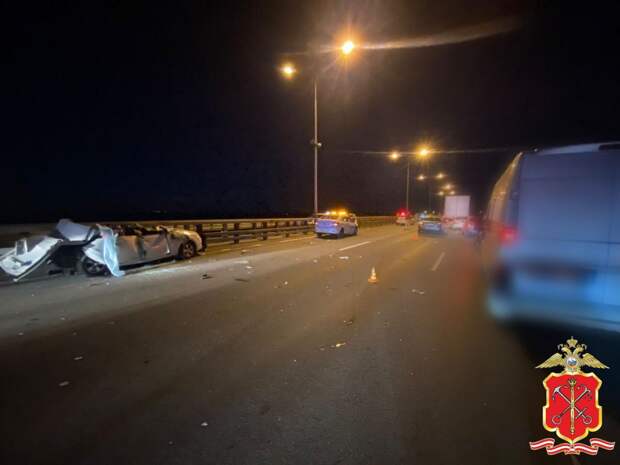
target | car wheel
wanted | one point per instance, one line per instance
(319, 235)
(93, 268)
(341, 233)
(187, 250)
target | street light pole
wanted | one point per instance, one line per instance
(316, 144)
(428, 187)
(407, 195)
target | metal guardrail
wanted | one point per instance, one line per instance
(223, 230)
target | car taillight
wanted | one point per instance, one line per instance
(508, 235)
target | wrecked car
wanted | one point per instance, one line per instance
(99, 249)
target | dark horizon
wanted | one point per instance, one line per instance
(117, 111)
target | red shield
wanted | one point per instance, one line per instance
(572, 410)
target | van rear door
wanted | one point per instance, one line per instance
(566, 208)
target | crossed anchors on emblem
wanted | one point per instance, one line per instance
(572, 410)
(571, 402)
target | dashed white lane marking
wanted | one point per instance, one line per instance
(438, 262)
(353, 246)
(296, 239)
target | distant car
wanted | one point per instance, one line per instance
(403, 218)
(458, 224)
(431, 225)
(471, 228)
(551, 237)
(338, 224)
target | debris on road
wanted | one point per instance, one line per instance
(315, 261)
(249, 267)
(242, 262)
(204, 424)
(78, 358)
(344, 257)
(373, 276)
(350, 321)
(338, 345)
(63, 384)
(418, 291)
(242, 280)
(206, 276)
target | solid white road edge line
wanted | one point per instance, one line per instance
(438, 262)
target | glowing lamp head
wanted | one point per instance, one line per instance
(394, 156)
(347, 47)
(424, 152)
(421, 177)
(288, 70)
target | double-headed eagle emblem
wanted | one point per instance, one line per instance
(572, 358)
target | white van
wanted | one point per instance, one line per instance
(551, 236)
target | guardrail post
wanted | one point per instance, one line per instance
(236, 234)
(287, 224)
(265, 226)
(202, 236)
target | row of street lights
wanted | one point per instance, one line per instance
(423, 155)
(289, 71)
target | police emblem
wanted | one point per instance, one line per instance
(572, 410)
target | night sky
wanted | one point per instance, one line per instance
(129, 110)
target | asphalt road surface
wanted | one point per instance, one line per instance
(281, 352)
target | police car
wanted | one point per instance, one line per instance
(336, 223)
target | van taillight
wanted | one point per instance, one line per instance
(508, 235)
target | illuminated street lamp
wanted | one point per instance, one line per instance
(423, 152)
(394, 155)
(347, 47)
(288, 70)
(421, 177)
(448, 186)
(451, 192)
(440, 176)
(441, 193)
